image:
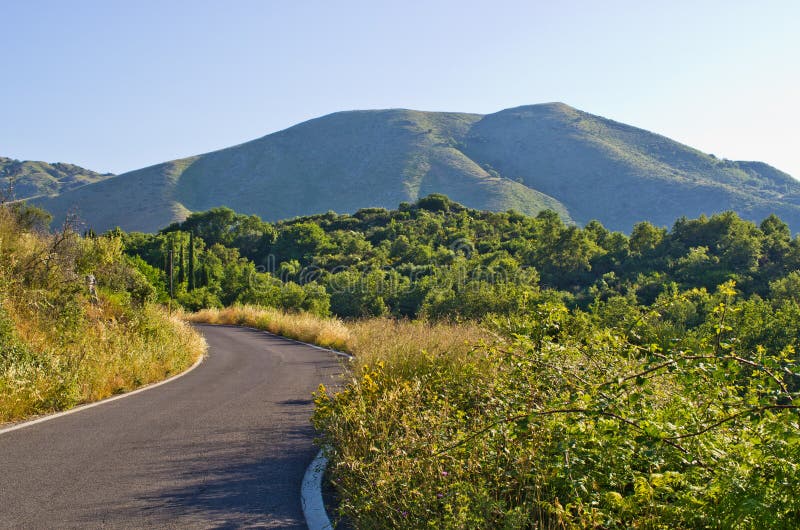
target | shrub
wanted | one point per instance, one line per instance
(58, 346)
(566, 422)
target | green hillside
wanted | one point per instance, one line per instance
(348, 161)
(139, 200)
(342, 162)
(30, 179)
(530, 158)
(602, 169)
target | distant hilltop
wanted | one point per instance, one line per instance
(28, 179)
(530, 158)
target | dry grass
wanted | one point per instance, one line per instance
(325, 332)
(163, 347)
(57, 348)
(107, 356)
(414, 384)
(402, 344)
(369, 340)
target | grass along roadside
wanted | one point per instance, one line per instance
(109, 358)
(565, 424)
(60, 346)
(324, 332)
(368, 340)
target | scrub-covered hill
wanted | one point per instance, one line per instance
(548, 156)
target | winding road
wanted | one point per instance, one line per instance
(225, 446)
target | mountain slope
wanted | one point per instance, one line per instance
(30, 179)
(342, 162)
(349, 160)
(138, 200)
(528, 159)
(602, 169)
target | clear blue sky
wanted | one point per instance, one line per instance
(115, 86)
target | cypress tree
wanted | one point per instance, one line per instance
(181, 266)
(191, 262)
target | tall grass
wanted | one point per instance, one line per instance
(59, 347)
(416, 384)
(564, 423)
(370, 340)
(325, 332)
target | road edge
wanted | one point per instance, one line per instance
(55, 415)
(336, 352)
(311, 489)
(311, 494)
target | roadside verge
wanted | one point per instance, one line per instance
(48, 417)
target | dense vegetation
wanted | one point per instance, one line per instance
(437, 259)
(517, 371)
(63, 343)
(681, 414)
(548, 156)
(645, 381)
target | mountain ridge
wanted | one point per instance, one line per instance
(26, 179)
(527, 158)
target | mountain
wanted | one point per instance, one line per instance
(528, 158)
(342, 162)
(602, 169)
(29, 179)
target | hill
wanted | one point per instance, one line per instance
(30, 179)
(602, 169)
(529, 158)
(342, 162)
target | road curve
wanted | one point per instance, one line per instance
(224, 446)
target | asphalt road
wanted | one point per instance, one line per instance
(224, 446)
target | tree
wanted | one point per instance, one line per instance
(300, 242)
(30, 217)
(787, 288)
(181, 265)
(435, 202)
(645, 237)
(191, 285)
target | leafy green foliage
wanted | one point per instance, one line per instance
(659, 419)
(438, 259)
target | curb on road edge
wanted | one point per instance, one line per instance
(311, 490)
(81, 408)
(311, 495)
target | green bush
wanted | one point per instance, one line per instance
(576, 420)
(60, 345)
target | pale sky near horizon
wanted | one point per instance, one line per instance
(115, 86)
